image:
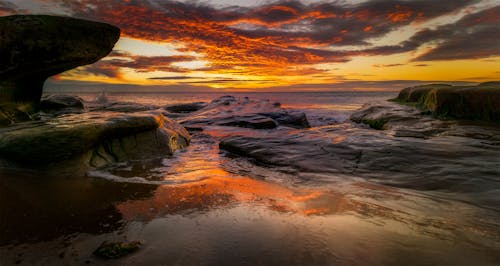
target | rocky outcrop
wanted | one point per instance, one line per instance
(35, 47)
(480, 102)
(62, 104)
(185, 107)
(122, 107)
(414, 145)
(95, 138)
(244, 112)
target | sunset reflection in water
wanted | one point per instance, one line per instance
(220, 191)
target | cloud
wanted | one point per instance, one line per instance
(7, 8)
(387, 65)
(473, 36)
(283, 37)
(175, 78)
(268, 37)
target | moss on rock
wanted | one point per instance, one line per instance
(481, 102)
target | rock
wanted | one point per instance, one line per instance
(293, 119)
(35, 47)
(97, 139)
(229, 111)
(11, 113)
(377, 115)
(62, 104)
(480, 102)
(117, 249)
(251, 121)
(186, 107)
(122, 107)
(446, 156)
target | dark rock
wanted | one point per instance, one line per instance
(254, 121)
(480, 102)
(224, 100)
(229, 111)
(422, 154)
(292, 119)
(116, 250)
(62, 104)
(121, 107)
(418, 94)
(11, 113)
(35, 47)
(402, 119)
(98, 139)
(186, 107)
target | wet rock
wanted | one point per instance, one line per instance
(62, 104)
(11, 113)
(116, 249)
(253, 121)
(293, 119)
(412, 146)
(244, 112)
(121, 107)
(96, 139)
(186, 108)
(480, 102)
(385, 115)
(35, 47)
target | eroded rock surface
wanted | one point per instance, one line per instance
(454, 155)
(35, 47)
(480, 102)
(230, 111)
(186, 107)
(57, 104)
(95, 138)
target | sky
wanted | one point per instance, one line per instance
(286, 45)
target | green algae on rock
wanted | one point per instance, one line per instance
(481, 102)
(35, 47)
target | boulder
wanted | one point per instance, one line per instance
(62, 104)
(35, 47)
(122, 107)
(250, 121)
(185, 107)
(244, 112)
(98, 139)
(481, 102)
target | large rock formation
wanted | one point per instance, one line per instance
(232, 112)
(480, 102)
(35, 47)
(95, 139)
(416, 150)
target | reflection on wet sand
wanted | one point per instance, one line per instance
(222, 191)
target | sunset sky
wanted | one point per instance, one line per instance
(287, 45)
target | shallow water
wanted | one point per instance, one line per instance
(204, 206)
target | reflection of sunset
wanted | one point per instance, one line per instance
(222, 191)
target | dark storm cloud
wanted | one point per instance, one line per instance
(474, 36)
